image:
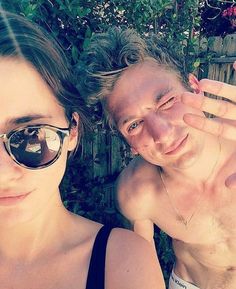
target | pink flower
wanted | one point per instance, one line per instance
(224, 13)
(230, 11)
(234, 10)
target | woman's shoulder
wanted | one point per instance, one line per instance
(131, 262)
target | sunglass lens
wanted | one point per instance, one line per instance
(35, 147)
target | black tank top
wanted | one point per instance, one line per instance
(96, 272)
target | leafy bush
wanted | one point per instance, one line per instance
(218, 18)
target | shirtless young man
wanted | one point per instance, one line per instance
(181, 178)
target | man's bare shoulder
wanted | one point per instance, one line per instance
(138, 173)
(137, 188)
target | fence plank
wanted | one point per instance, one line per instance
(215, 45)
(229, 45)
(221, 59)
(219, 67)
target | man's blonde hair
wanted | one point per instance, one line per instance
(112, 52)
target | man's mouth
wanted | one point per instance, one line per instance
(176, 147)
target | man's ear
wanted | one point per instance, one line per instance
(194, 83)
(133, 151)
(74, 132)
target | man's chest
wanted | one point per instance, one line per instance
(199, 217)
(208, 238)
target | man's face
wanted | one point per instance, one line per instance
(145, 104)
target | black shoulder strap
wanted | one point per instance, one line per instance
(96, 272)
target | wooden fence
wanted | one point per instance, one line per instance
(106, 155)
(110, 154)
(217, 56)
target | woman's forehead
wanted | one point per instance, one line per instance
(19, 81)
(23, 91)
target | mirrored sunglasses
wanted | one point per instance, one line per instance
(35, 146)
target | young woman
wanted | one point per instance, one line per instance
(42, 245)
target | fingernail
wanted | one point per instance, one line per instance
(231, 181)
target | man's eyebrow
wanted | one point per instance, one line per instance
(162, 93)
(25, 118)
(125, 120)
(157, 97)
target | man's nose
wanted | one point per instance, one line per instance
(159, 127)
(9, 170)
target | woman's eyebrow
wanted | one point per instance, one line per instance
(25, 118)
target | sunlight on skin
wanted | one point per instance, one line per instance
(225, 126)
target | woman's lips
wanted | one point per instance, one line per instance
(178, 147)
(12, 200)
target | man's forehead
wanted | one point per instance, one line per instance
(127, 100)
(150, 64)
(136, 86)
(144, 71)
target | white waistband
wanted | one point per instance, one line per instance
(177, 283)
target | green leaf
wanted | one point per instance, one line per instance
(88, 32)
(74, 53)
(197, 62)
(86, 43)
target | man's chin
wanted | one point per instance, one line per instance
(186, 161)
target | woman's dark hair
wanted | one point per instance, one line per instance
(20, 38)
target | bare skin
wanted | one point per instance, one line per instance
(43, 245)
(193, 206)
(64, 264)
(226, 127)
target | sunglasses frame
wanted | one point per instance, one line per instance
(61, 132)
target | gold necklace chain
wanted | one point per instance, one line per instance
(183, 220)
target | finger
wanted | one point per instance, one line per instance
(234, 65)
(218, 88)
(217, 107)
(220, 129)
(231, 181)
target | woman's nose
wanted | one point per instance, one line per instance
(9, 170)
